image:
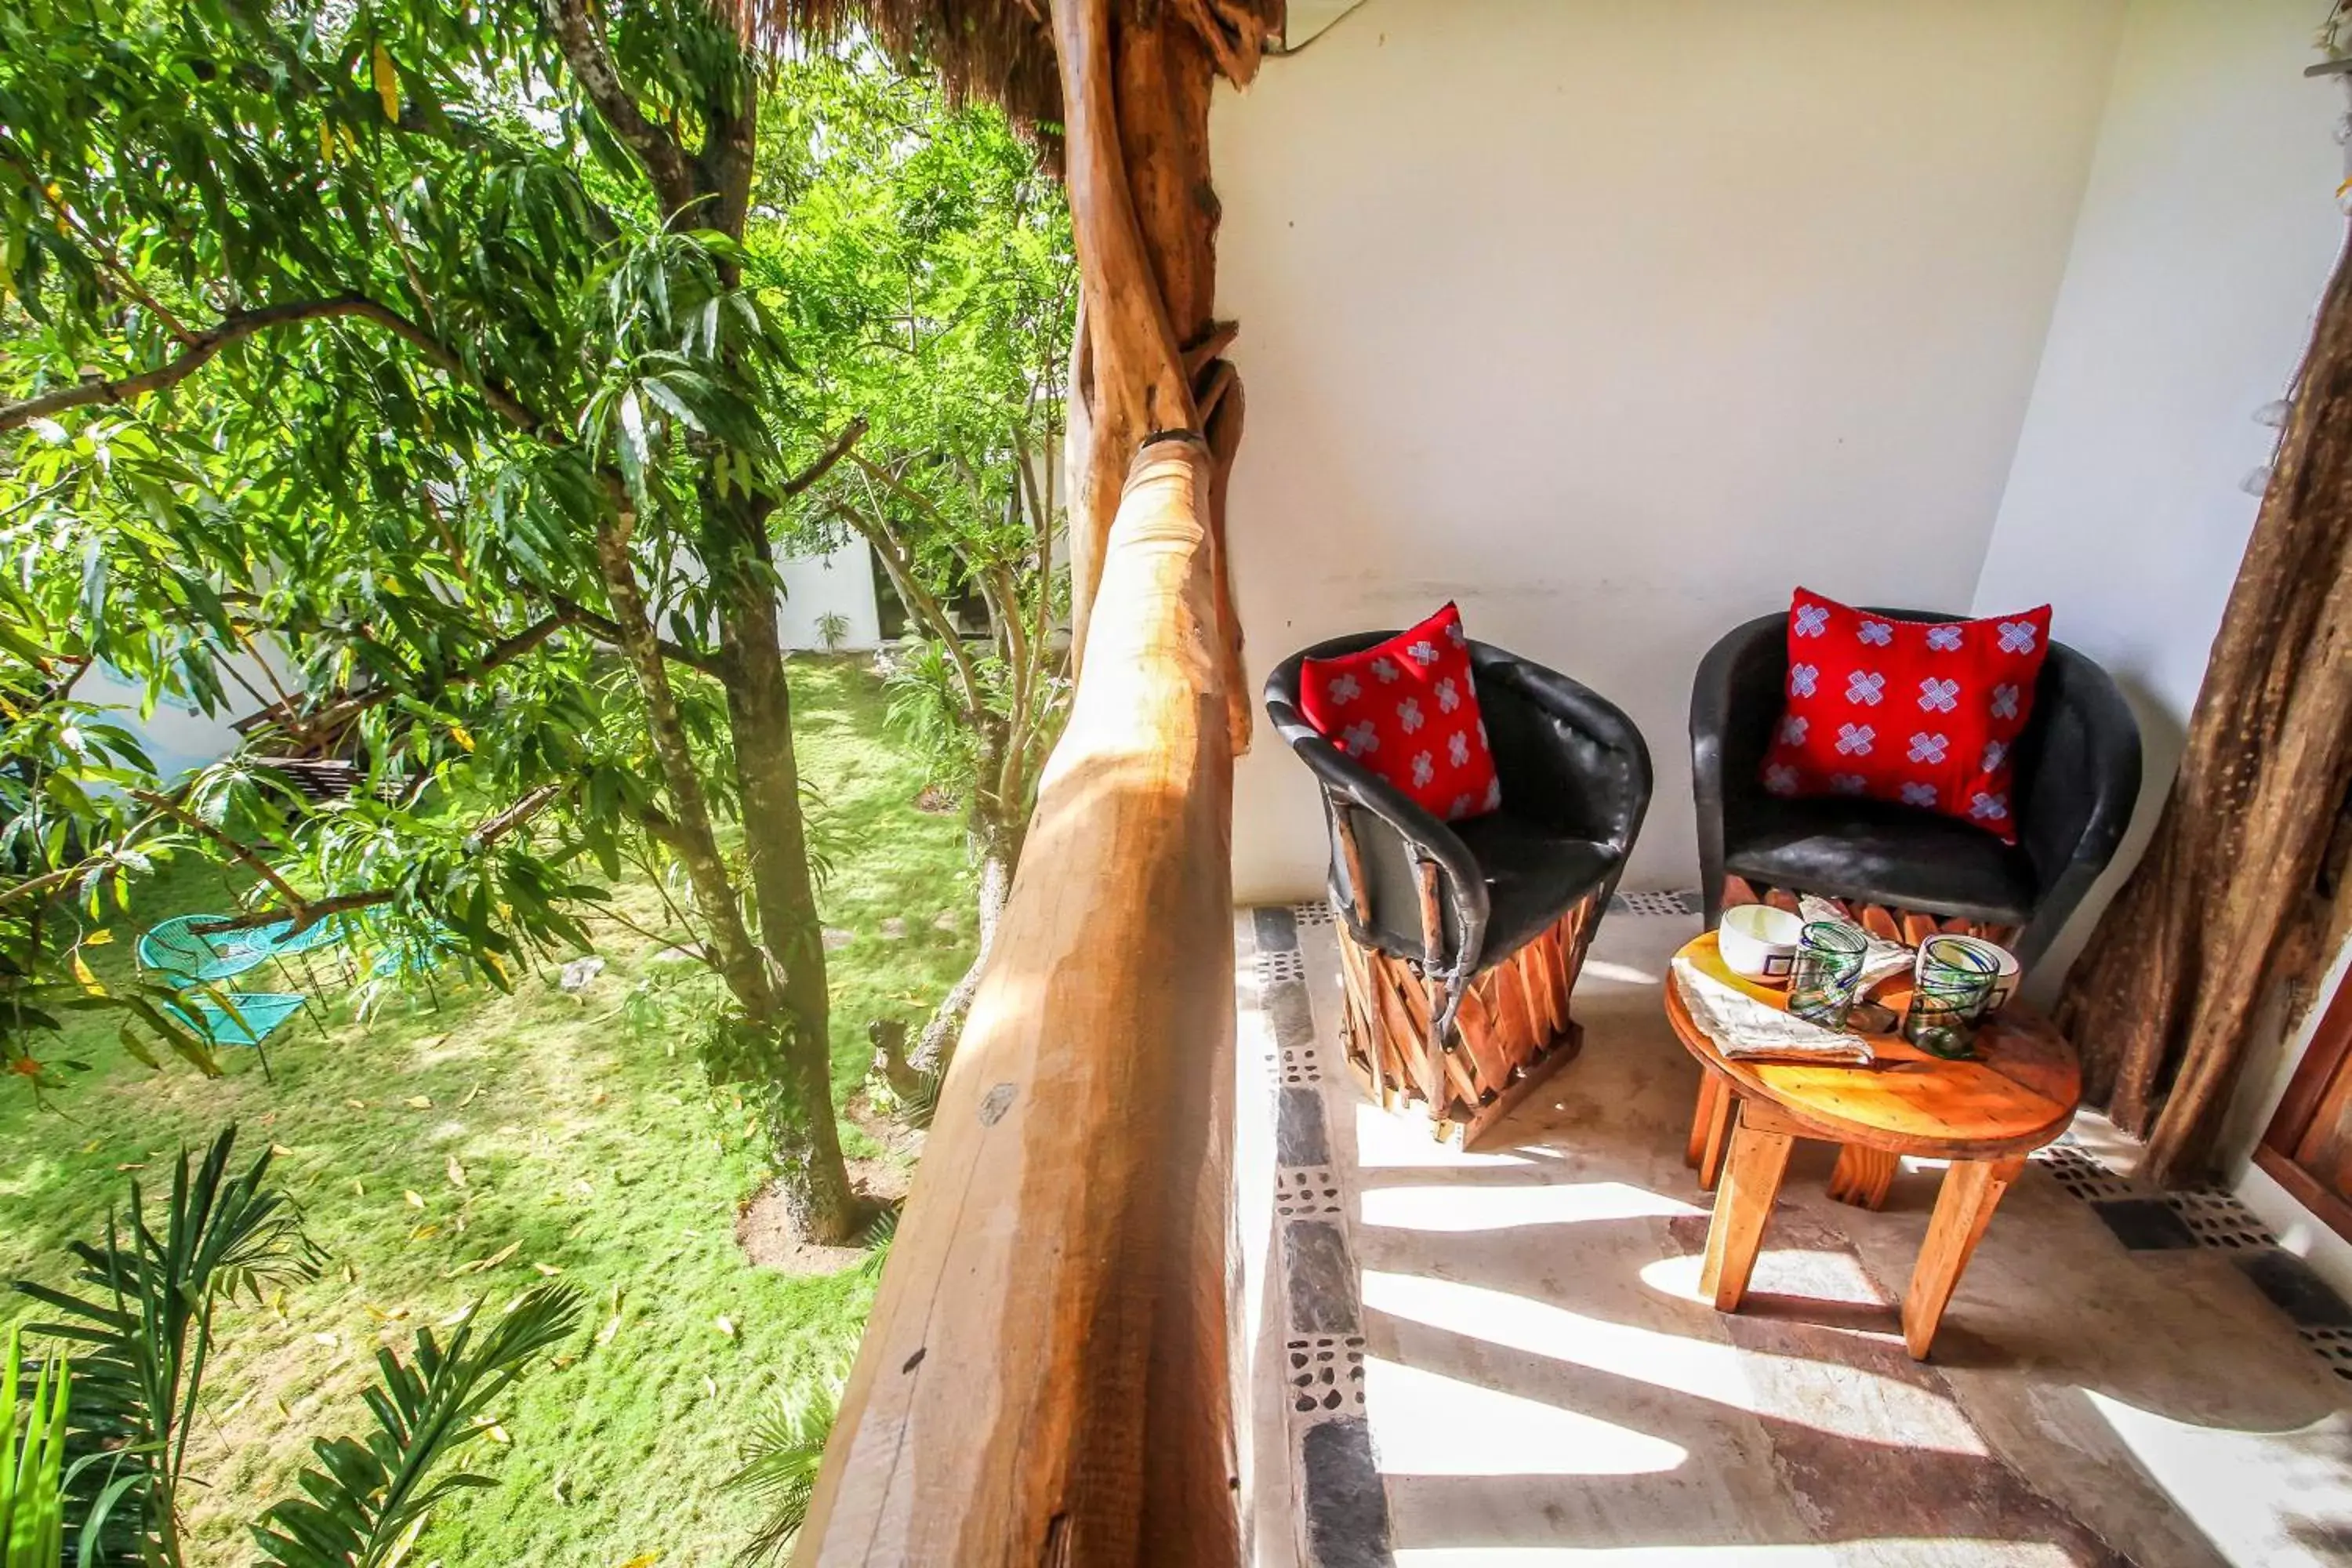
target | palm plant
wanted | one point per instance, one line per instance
(781, 1459)
(368, 1504)
(32, 1466)
(145, 1315)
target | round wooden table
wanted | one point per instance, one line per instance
(1984, 1115)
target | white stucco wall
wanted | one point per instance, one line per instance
(841, 580)
(1613, 321)
(2206, 236)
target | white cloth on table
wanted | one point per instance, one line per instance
(1747, 1029)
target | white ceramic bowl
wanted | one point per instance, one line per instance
(2005, 972)
(1759, 943)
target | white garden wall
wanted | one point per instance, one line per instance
(1615, 320)
(840, 582)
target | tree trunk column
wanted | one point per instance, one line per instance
(1147, 354)
(2237, 891)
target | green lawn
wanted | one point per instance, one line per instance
(545, 1130)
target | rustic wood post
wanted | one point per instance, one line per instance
(1044, 1379)
(1135, 85)
(2240, 887)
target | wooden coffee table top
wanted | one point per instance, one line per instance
(2019, 1097)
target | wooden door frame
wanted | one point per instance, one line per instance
(2331, 1044)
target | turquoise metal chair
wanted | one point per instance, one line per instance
(189, 951)
(192, 946)
(250, 1018)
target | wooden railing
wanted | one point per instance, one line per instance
(1044, 1377)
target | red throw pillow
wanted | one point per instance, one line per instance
(1922, 713)
(1408, 710)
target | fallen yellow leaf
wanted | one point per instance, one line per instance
(416, 1199)
(725, 1324)
(456, 1173)
(420, 1102)
(469, 1097)
(550, 1269)
(281, 1150)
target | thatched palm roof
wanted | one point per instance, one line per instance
(1000, 50)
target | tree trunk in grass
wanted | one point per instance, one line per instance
(775, 1047)
(2241, 886)
(799, 1111)
(996, 833)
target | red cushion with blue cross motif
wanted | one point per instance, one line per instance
(1406, 708)
(1920, 713)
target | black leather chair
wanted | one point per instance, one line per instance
(1576, 781)
(2078, 779)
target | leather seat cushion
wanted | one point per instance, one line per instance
(1533, 876)
(1883, 854)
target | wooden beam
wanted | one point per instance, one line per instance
(1044, 1377)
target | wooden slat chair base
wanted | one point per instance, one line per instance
(1910, 927)
(1862, 1176)
(1512, 1031)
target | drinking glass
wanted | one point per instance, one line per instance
(1950, 988)
(1828, 972)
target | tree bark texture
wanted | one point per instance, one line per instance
(2240, 888)
(1146, 356)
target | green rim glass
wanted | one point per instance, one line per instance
(1949, 989)
(1827, 975)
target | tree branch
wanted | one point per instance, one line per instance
(506, 650)
(240, 853)
(919, 600)
(308, 912)
(582, 43)
(850, 434)
(243, 324)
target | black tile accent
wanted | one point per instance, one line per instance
(1321, 1277)
(2144, 1225)
(1287, 1010)
(1298, 1135)
(2296, 1288)
(1278, 928)
(1347, 1512)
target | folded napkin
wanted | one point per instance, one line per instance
(1742, 1027)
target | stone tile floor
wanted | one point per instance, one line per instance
(1500, 1360)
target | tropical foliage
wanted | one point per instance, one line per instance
(141, 1324)
(436, 382)
(32, 1463)
(944, 288)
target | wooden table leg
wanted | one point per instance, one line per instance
(1743, 1203)
(1963, 1208)
(1694, 1148)
(1711, 1131)
(1863, 1175)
